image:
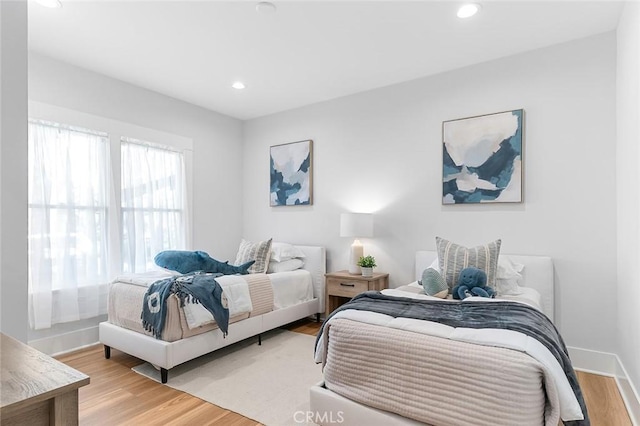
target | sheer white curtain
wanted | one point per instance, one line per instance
(68, 199)
(153, 193)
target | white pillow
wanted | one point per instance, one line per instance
(435, 265)
(285, 265)
(508, 286)
(507, 268)
(509, 277)
(284, 251)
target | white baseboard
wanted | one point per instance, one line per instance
(608, 364)
(67, 342)
(629, 393)
(596, 362)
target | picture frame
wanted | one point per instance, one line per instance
(291, 174)
(482, 158)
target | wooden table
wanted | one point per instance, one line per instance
(35, 389)
(341, 286)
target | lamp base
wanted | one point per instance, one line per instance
(354, 256)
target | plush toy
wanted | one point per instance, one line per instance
(434, 284)
(472, 282)
(186, 262)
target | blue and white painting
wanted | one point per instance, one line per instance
(482, 159)
(291, 174)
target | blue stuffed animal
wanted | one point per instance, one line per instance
(187, 262)
(472, 282)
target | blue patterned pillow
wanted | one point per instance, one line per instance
(186, 262)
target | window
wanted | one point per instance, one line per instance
(100, 203)
(68, 202)
(153, 198)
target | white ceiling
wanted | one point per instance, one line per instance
(306, 52)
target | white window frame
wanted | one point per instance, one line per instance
(116, 130)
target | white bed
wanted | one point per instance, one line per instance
(538, 275)
(290, 304)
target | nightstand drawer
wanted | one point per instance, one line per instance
(342, 286)
(346, 287)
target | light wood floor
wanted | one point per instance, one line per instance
(118, 396)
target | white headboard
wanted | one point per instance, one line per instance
(537, 274)
(316, 263)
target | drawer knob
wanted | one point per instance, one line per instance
(347, 284)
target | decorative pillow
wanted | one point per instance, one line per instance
(258, 251)
(434, 284)
(285, 265)
(453, 258)
(186, 262)
(284, 251)
(507, 268)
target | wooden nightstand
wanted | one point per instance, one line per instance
(342, 286)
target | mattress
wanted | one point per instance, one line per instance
(436, 381)
(432, 370)
(266, 292)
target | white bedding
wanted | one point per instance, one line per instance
(528, 296)
(569, 406)
(289, 288)
(235, 292)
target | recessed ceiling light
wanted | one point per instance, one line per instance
(53, 4)
(265, 8)
(238, 85)
(468, 10)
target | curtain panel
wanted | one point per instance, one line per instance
(68, 201)
(153, 200)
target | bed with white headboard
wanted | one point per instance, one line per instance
(381, 369)
(277, 299)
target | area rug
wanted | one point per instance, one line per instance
(267, 383)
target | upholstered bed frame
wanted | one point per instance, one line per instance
(325, 404)
(167, 355)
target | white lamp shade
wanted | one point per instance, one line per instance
(359, 225)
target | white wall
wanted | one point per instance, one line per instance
(13, 169)
(217, 140)
(628, 155)
(217, 152)
(380, 152)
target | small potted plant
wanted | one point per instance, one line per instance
(366, 264)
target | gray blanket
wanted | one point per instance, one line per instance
(502, 315)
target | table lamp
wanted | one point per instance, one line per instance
(357, 225)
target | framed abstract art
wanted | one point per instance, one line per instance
(482, 159)
(291, 166)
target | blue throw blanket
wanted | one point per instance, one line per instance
(503, 315)
(195, 288)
